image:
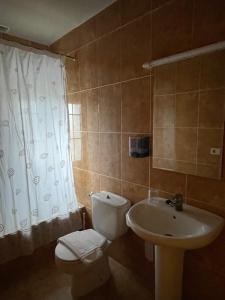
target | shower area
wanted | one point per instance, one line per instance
(38, 201)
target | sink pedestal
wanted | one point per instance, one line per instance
(168, 273)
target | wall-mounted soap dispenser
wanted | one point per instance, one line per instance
(140, 146)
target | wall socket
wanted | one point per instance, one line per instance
(215, 151)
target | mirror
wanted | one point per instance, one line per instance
(189, 115)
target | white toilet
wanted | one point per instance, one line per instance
(90, 269)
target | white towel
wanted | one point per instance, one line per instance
(83, 243)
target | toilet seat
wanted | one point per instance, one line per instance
(64, 254)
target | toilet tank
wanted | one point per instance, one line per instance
(108, 214)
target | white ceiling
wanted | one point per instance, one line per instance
(45, 21)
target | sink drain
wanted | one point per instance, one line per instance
(168, 234)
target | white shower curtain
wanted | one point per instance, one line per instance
(36, 181)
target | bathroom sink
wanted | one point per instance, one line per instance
(172, 232)
(162, 225)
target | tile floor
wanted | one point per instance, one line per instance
(47, 283)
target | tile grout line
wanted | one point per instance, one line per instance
(192, 24)
(208, 203)
(99, 135)
(114, 132)
(150, 104)
(111, 177)
(144, 186)
(185, 161)
(109, 84)
(120, 27)
(186, 188)
(157, 95)
(175, 119)
(198, 111)
(180, 127)
(150, 129)
(121, 107)
(194, 91)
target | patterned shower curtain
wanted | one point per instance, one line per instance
(36, 181)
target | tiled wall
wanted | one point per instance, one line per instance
(111, 94)
(189, 114)
(113, 91)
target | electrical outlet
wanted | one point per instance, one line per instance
(215, 151)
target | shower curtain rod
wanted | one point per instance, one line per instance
(68, 56)
(184, 55)
(45, 51)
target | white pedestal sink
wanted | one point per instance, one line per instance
(172, 232)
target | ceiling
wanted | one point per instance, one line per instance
(45, 21)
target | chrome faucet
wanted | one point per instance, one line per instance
(176, 202)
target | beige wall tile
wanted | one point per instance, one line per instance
(188, 74)
(164, 111)
(134, 192)
(89, 157)
(174, 165)
(185, 167)
(177, 150)
(72, 75)
(80, 150)
(172, 28)
(87, 32)
(207, 139)
(72, 150)
(86, 182)
(110, 154)
(186, 144)
(93, 152)
(178, 144)
(212, 74)
(187, 110)
(206, 190)
(209, 207)
(90, 98)
(110, 108)
(71, 127)
(76, 38)
(79, 108)
(131, 9)
(108, 19)
(162, 163)
(209, 22)
(65, 44)
(88, 64)
(164, 145)
(134, 170)
(110, 185)
(212, 108)
(210, 171)
(158, 3)
(86, 104)
(167, 181)
(108, 59)
(136, 106)
(165, 79)
(135, 48)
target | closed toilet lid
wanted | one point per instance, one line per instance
(64, 253)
